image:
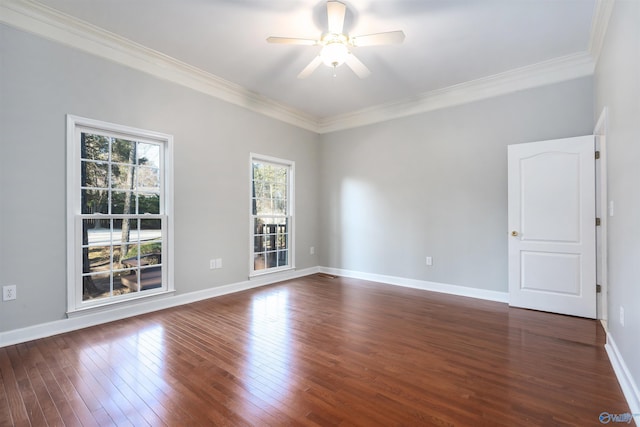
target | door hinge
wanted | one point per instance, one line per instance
(598, 289)
(597, 155)
(598, 222)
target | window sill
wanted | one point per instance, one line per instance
(118, 305)
(258, 274)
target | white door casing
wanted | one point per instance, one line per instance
(552, 245)
(600, 133)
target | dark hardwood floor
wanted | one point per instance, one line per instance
(317, 351)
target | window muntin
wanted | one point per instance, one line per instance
(119, 208)
(271, 214)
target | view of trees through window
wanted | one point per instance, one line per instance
(271, 215)
(120, 207)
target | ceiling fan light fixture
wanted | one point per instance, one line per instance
(336, 44)
(334, 54)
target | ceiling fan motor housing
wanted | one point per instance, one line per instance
(335, 49)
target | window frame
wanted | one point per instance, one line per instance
(290, 164)
(75, 127)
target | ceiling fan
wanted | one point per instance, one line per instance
(336, 45)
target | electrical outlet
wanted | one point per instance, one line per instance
(621, 315)
(312, 250)
(212, 264)
(218, 262)
(429, 261)
(9, 292)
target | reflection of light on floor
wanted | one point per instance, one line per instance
(135, 361)
(269, 349)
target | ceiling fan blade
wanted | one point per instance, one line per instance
(289, 40)
(335, 15)
(358, 67)
(391, 37)
(310, 68)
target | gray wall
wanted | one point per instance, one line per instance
(41, 82)
(617, 83)
(435, 185)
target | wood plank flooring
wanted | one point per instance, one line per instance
(317, 351)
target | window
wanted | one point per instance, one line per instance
(271, 214)
(119, 215)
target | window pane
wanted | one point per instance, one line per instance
(96, 286)
(148, 154)
(94, 175)
(282, 242)
(258, 244)
(263, 207)
(123, 151)
(150, 229)
(96, 231)
(150, 277)
(283, 258)
(148, 179)
(125, 256)
(99, 258)
(279, 206)
(149, 203)
(123, 177)
(151, 241)
(258, 226)
(123, 202)
(278, 190)
(258, 262)
(281, 177)
(94, 201)
(125, 281)
(262, 190)
(270, 235)
(269, 190)
(151, 253)
(272, 260)
(125, 231)
(94, 147)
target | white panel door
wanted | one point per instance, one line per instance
(552, 245)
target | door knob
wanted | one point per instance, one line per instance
(514, 233)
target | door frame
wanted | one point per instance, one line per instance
(602, 212)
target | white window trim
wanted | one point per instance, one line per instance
(75, 125)
(291, 204)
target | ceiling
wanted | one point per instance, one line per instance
(448, 42)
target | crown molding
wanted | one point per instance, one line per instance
(601, 14)
(541, 74)
(31, 16)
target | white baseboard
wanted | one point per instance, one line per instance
(422, 284)
(80, 321)
(625, 379)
